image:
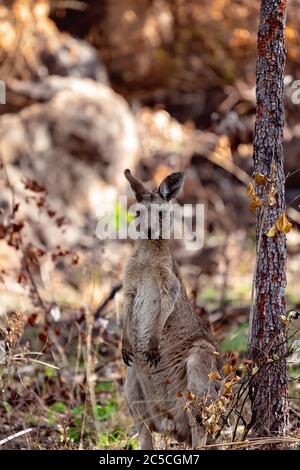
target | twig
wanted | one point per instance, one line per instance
(14, 436)
(90, 370)
(102, 306)
(33, 284)
(256, 441)
(38, 362)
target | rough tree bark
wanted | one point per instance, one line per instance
(267, 339)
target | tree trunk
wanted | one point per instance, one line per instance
(267, 340)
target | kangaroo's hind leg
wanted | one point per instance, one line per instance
(200, 363)
(138, 407)
(145, 437)
(198, 433)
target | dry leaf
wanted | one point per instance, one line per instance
(213, 428)
(272, 197)
(284, 320)
(255, 203)
(272, 232)
(282, 223)
(260, 179)
(211, 408)
(33, 185)
(255, 200)
(190, 396)
(228, 386)
(251, 191)
(214, 375)
(227, 369)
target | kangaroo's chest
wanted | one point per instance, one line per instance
(145, 311)
(146, 305)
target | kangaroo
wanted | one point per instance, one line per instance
(168, 350)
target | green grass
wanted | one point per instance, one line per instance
(116, 440)
(236, 340)
(105, 387)
(105, 412)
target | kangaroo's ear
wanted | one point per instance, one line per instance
(137, 186)
(171, 186)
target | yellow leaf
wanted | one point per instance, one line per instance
(216, 353)
(213, 428)
(260, 179)
(251, 191)
(255, 370)
(227, 369)
(255, 203)
(244, 367)
(179, 394)
(282, 223)
(271, 232)
(275, 357)
(272, 197)
(190, 396)
(212, 419)
(213, 376)
(255, 200)
(210, 408)
(284, 320)
(228, 386)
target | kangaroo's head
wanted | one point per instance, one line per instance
(153, 209)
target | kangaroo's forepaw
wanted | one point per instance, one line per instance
(153, 354)
(127, 357)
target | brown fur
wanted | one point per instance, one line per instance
(164, 342)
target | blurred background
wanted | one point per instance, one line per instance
(94, 87)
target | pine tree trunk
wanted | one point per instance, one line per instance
(268, 392)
